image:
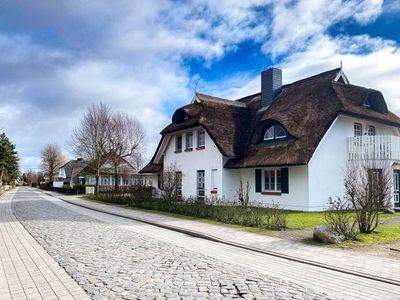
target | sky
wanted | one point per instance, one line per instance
(147, 58)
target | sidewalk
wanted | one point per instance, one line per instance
(26, 270)
(369, 266)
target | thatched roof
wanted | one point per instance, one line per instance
(306, 109)
(73, 167)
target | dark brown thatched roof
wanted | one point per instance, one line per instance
(306, 109)
(124, 167)
(151, 168)
(227, 122)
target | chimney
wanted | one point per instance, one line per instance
(271, 85)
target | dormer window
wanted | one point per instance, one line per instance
(375, 101)
(275, 132)
(367, 104)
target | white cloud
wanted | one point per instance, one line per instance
(368, 62)
(295, 25)
(128, 54)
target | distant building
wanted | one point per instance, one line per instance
(81, 172)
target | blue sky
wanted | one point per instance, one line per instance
(146, 58)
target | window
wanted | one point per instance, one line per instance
(178, 143)
(279, 132)
(214, 179)
(200, 184)
(201, 138)
(357, 129)
(367, 104)
(270, 133)
(189, 141)
(275, 132)
(178, 177)
(375, 178)
(371, 130)
(160, 181)
(272, 180)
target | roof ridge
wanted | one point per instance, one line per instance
(210, 98)
(312, 77)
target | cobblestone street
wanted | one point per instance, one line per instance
(111, 262)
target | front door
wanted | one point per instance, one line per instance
(200, 185)
(396, 187)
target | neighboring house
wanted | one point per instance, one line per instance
(69, 174)
(127, 175)
(81, 172)
(291, 142)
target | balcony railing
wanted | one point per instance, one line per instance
(374, 147)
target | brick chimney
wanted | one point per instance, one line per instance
(271, 85)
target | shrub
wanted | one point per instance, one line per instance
(276, 217)
(79, 189)
(340, 218)
(368, 188)
(45, 186)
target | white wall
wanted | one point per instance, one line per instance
(327, 167)
(189, 162)
(296, 199)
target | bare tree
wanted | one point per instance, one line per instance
(30, 176)
(125, 139)
(90, 138)
(368, 187)
(340, 217)
(171, 181)
(52, 160)
(136, 160)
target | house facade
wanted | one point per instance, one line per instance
(292, 142)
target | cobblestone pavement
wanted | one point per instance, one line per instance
(373, 266)
(114, 263)
(26, 270)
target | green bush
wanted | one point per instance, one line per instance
(46, 186)
(263, 217)
(79, 189)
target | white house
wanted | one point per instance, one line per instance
(81, 172)
(291, 142)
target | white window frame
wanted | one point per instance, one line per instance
(284, 131)
(187, 140)
(178, 176)
(276, 171)
(369, 132)
(198, 138)
(176, 142)
(201, 184)
(360, 130)
(273, 134)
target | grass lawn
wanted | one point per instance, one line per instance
(384, 234)
(308, 220)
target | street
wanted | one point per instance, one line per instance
(116, 258)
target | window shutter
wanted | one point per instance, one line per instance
(258, 180)
(285, 180)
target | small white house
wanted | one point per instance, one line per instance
(81, 172)
(291, 142)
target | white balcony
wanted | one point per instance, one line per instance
(374, 147)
